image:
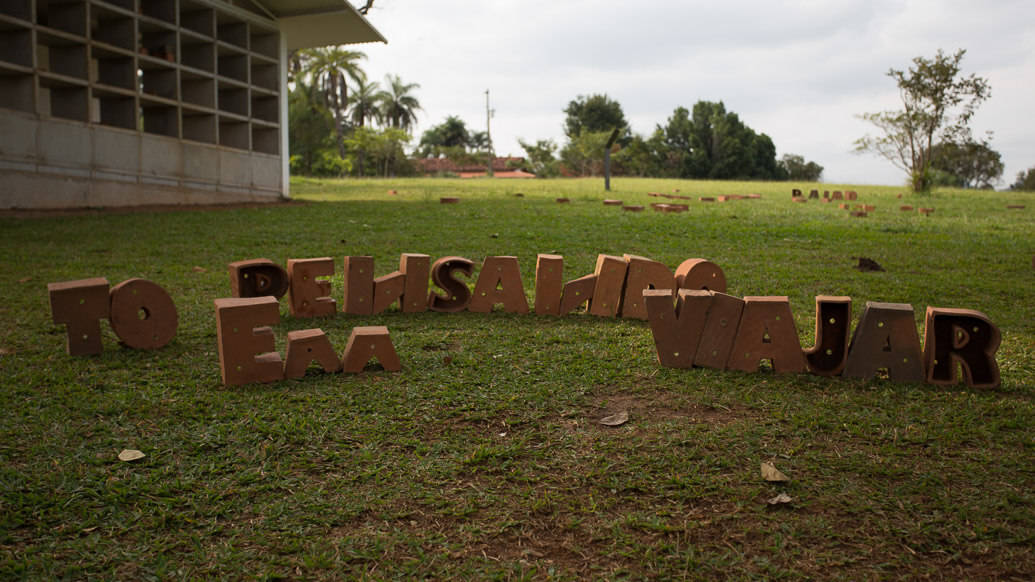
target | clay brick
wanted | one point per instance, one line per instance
(795, 193)
(246, 349)
(677, 329)
(965, 337)
(387, 289)
(851, 195)
(869, 207)
(700, 274)
(826, 194)
(142, 314)
(843, 206)
(813, 194)
(310, 297)
(417, 269)
(1015, 207)
(607, 294)
(457, 293)
(833, 322)
(359, 285)
(80, 305)
(754, 196)
(642, 274)
(885, 337)
(720, 330)
(655, 194)
(563, 200)
(802, 200)
(837, 195)
(633, 208)
(549, 277)
(366, 343)
(257, 278)
(707, 199)
(577, 292)
(448, 200)
(925, 211)
(827, 200)
(309, 345)
(612, 202)
(677, 208)
(767, 332)
(724, 198)
(499, 282)
(905, 208)
(658, 206)
(858, 214)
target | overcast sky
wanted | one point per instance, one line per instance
(797, 71)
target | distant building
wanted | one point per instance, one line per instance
(130, 102)
(505, 167)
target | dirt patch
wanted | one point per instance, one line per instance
(660, 406)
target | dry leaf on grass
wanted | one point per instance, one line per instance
(771, 473)
(25, 279)
(780, 499)
(199, 269)
(131, 455)
(616, 419)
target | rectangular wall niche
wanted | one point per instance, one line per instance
(198, 70)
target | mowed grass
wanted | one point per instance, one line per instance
(484, 457)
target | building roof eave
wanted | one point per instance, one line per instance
(316, 23)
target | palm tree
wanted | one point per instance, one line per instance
(329, 69)
(365, 102)
(398, 106)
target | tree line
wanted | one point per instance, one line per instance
(343, 124)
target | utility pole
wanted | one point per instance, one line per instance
(488, 134)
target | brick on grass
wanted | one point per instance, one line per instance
(143, 314)
(499, 281)
(306, 346)
(310, 296)
(367, 343)
(247, 352)
(962, 337)
(80, 305)
(767, 332)
(257, 278)
(885, 338)
(833, 323)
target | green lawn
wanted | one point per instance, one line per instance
(484, 457)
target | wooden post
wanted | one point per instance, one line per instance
(607, 159)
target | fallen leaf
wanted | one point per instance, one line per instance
(780, 499)
(771, 473)
(199, 269)
(89, 529)
(6, 352)
(616, 419)
(25, 279)
(131, 455)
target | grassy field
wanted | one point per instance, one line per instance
(484, 457)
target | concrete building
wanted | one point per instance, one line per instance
(132, 102)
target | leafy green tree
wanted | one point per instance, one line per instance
(938, 102)
(584, 154)
(712, 143)
(365, 103)
(383, 148)
(329, 69)
(540, 157)
(399, 106)
(799, 170)
(311, 139)
(1025, 181)
(451, 133)
(968, 165)
(596, 113)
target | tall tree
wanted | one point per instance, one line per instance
(596, 113)
(798, 169)
(364, 103)
(398, 105)
(451, 133)
(329, 69)
(938, 102)
(969, 165)
(1025, 181)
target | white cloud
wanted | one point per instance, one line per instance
(799, 71)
